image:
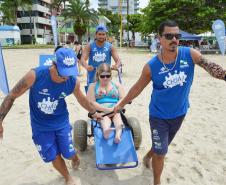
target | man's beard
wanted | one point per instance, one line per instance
(100, 40)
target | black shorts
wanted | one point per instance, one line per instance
(163, 132)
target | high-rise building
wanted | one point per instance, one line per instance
(35, 24)
(120, 6)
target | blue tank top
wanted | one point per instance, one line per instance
(98, 55)
(171, 89)
(110, 98)
(48, 109)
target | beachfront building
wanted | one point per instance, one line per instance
(35, 25)
(9, 35)
(120, 6)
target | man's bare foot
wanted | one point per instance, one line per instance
(70, 181)
(147, 161)
(75, 162)
(107, 132)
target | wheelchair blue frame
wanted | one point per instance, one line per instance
(111, 156)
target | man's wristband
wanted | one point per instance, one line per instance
(90, 115)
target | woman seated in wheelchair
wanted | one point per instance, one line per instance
(105, 94)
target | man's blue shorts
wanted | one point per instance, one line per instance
(163, 132)
(52, 143)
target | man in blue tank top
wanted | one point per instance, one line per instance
(98, 52)
(51, 130)
(171, 72)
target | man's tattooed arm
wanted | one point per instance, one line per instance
(9, 99)
(5, 107)
(23, 85)
(213, 69)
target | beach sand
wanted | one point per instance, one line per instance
(197, 156)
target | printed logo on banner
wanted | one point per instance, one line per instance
(46, 60)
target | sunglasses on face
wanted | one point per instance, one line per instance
(105, 76)
(170, 36)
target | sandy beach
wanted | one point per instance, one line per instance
(197, 156)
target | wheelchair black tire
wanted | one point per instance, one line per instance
(136, 131)
(80, 135)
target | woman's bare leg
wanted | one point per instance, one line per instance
(106, 126)
(118, 126)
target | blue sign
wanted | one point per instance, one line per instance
(219, 30)
(4, 87)
(54, 29)
(46, 60)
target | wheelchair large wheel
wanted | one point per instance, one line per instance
(136, 131)
(80, 135)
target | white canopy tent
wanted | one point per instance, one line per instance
(9, 35)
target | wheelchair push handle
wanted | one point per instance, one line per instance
(109, 113)
(90, 115)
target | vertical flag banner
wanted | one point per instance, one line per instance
(4, 87)
(54, 29)
(219, 30)
(46, 60)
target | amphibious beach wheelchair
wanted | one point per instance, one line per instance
(110, 155)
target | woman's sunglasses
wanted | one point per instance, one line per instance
(105, 76)
(170, 36)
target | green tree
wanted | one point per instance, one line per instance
(114, 25)
(56, 3)
(10, 8)
(195, 16)
(134, 22)
(81, 15)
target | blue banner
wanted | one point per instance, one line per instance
(4, 87)
(46, 60)
(54, 29)
(219, 30)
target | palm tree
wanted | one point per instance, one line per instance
(56, 3)
(10, 8)
(80, 14)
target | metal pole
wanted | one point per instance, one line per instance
(127, 22)
(30, 27)
(120, 6)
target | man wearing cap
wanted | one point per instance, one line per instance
(98, 52)
(51, 130)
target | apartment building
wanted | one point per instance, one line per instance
(35, 25)
(120, 6)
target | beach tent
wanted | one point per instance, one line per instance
(189, 36)
(9, 35)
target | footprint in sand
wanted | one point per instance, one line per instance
(197, 171)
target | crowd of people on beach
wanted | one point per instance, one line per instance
(171, 72)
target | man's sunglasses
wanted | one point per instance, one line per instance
(105, 76)
(170, 36)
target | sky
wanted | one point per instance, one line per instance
(143, 3)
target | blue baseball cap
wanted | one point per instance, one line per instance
(66, 62)
(101, 28)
